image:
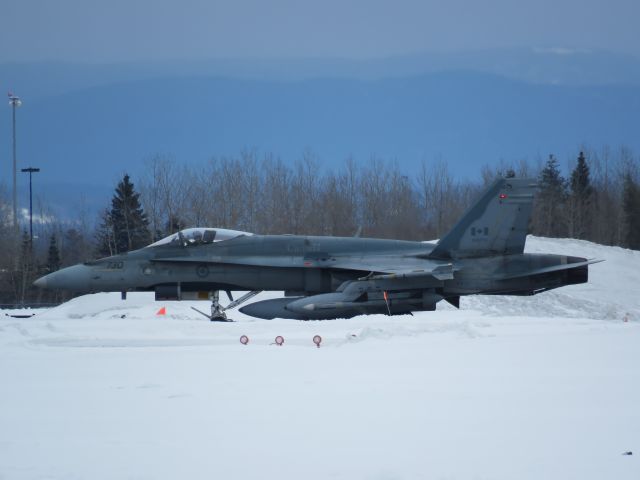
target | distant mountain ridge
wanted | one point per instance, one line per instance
(550, 65)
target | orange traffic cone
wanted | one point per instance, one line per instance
(162, 311)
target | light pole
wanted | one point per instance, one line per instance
(31, 171)
(14, 102)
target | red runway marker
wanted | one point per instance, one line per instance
(244, 339)
(279, 340)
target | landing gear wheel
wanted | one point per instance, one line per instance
(214, 317)
(218, 311)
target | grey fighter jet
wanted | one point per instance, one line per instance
(337, 277)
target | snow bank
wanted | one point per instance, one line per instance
(527, 388)
(610, 294)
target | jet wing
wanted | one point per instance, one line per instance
(396, 267)
(553, 268)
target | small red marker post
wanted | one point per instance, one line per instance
(317, 340)
(385, 295)
(244, 339)
(279, 340)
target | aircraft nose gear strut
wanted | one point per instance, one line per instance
(218, 312)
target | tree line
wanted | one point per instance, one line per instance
(599, 201)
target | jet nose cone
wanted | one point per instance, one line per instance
(76, 278)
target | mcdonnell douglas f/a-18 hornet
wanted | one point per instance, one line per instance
(340, 277)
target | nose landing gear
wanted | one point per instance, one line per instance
(218, 312)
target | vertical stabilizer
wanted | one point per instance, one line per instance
(495, 225)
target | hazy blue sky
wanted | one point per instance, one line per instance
(130, 30)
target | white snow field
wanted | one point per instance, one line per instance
(505, 388)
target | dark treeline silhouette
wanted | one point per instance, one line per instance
(599, 200)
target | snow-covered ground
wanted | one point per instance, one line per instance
(506, 387)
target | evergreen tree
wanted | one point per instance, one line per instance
(125, 227)
(53, 258)
(105, 235)
(550, 218)
(631, 212)
(580, 199)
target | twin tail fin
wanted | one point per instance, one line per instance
(495, 225)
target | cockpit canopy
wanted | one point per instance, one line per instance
(199, 236)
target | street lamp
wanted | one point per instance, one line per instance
(14, 102)
(31, 171)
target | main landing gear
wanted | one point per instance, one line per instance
(218, 312)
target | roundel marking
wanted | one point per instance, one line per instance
(202, 271)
